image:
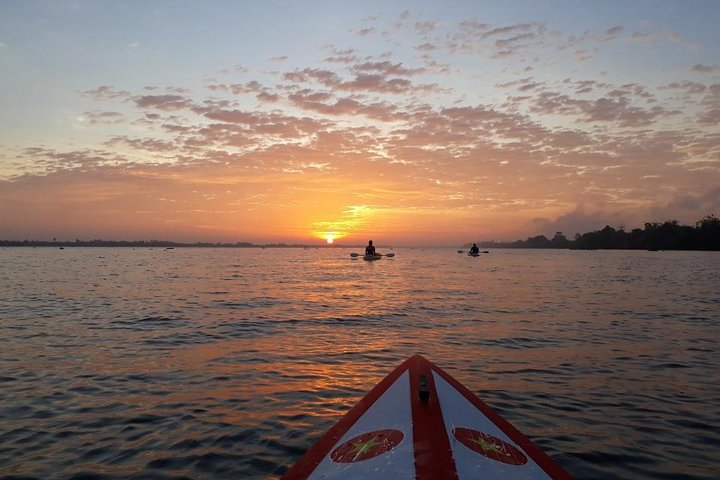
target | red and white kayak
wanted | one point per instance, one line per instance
(419, 423)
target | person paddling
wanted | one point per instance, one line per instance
(474, 250)
(370, 249)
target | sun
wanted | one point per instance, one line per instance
(329, 235)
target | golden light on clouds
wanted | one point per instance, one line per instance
(490, 131)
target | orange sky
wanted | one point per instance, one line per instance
(410, 127)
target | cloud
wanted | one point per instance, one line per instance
(616, 106)
(147, 144)
(266, 97)
(362, 82)
(251, 87)
(97, 117)
(327, 104)
(163, 102)
(426, 47)
(690, 207)
(347, 56)
(613, 32)
(579, 220)
(699, 67)
(388, 68)
(425, 27)
(364, 32)
(711, 104)
(686, 86)
(106, 92)
(46, 160)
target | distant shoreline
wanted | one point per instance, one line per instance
(670, 235)
(159, 244)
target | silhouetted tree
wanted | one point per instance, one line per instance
(708, 233)
(560, 241)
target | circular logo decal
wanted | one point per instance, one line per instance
(489, 446)
(367, 445)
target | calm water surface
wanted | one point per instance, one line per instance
(229, 363)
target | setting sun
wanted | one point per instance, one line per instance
(329, 237)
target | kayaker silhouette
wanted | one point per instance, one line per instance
(474, 249)
(370, 249)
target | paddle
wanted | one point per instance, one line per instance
(380, 254)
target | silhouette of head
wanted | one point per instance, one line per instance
(370, 242)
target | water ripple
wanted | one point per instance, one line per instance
(229, 363)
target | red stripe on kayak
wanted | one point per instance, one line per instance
(433, 455)
(554, 470)
(312, 458)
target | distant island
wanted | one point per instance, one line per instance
(670, 235)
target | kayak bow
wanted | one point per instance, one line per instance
(419, 423)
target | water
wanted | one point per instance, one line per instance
(228, 363)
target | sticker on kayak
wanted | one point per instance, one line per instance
(367, 445)
(489, 446)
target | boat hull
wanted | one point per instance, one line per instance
(419, 423)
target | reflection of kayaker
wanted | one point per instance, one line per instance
(370, 249)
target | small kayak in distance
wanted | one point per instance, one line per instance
(419, 423)
(370, 258)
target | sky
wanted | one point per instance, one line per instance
(409, 123)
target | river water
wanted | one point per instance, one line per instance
(198, 363)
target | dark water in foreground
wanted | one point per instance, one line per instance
(214, 364)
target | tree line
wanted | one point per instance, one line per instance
(669, 235)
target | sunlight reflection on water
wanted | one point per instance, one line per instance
(225, 363)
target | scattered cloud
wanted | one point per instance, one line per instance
(579, 220)
(106, 92)
(472, 121)
(425, 27)
(698, 67)
(364, 32)
(100, 117)
(163, 102)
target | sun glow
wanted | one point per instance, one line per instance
(329, 237)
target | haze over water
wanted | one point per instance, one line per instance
(229, 363)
